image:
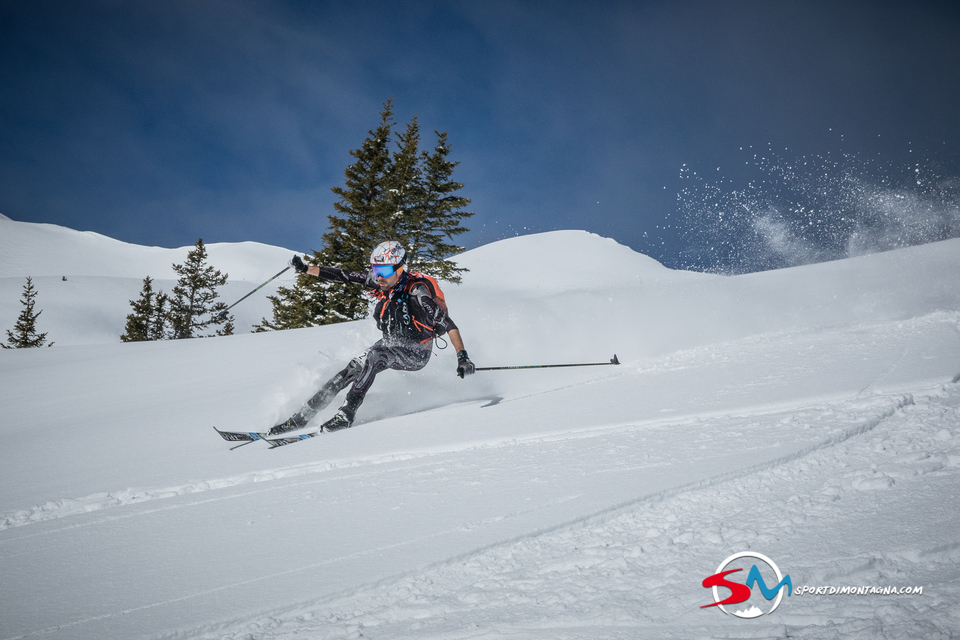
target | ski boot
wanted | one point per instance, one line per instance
(342, 419)
(296, 421)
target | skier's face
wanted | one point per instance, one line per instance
(389, 282)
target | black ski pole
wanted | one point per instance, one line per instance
(223, 314)
(550, 366)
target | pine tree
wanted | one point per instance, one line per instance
(227, 329)
(149, 319)
(437, 216)
(347, 243)
(404, 189)
(302, 305)
(365, 208)
(194, 296)
(24, 334)
(160, 321)
(138, 327)
(402, 195)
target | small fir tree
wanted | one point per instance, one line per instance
(160, 322)
(193, 306)
(24, 334)
(302, 305)
(138, 327)
(227, 328)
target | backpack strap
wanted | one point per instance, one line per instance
(415, 278)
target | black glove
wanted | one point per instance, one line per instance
(297, 264)
(464, 366)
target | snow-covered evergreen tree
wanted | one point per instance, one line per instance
(362, 207)
(149, 319)
(24, 334)
(138, 328)
(160, 324)
(364, 210)
(437, 216)
(402, 195)
(193, 305)
(302, 305)
(403, 192)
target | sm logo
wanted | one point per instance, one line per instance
(741, 592)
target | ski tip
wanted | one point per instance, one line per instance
(614, 361)
(239, 436)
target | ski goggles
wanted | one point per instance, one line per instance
(383, 270)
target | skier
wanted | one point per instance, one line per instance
(409, 317)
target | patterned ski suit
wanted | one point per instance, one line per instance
(409, 321)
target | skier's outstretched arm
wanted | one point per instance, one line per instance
(332, 274)
(464, 366)
(456, 340)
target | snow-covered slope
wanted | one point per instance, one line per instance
(31, 249)
(569, 294)
(85, 281)
(810, 414)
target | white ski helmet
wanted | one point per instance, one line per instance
(389, 252)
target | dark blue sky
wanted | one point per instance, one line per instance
(161, 122)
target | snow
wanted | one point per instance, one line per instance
(103, 275)
(809, 414)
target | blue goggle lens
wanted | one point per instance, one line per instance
(383, 270)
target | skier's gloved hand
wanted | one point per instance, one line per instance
(297, 264)
(464, 366)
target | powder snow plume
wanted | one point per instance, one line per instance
(813, 209)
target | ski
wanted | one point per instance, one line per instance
(242, 436)
(280, 442)
(271, 439)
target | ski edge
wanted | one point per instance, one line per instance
(281, 442)
(272, 440)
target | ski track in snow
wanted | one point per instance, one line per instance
(70, 507)
(866, 415)
(131, 496)
(620, 573)
(673, 362)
